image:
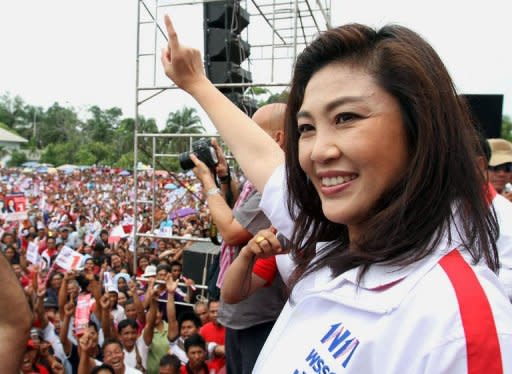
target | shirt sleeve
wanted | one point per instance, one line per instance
(503, 209)
(143, 350)
(265, 268)
(250, 215)
(274, 205)
(51, 337)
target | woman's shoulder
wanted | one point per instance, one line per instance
(459, 300)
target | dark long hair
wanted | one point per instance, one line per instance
(408, 220)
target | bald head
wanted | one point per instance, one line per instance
(270, 117)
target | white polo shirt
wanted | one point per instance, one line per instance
(438, 315)
(503, 209)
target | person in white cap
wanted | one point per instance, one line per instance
(500, 166)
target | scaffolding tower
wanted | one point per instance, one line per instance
(277, 32)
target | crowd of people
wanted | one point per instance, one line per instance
(91, 212)
(373, 233)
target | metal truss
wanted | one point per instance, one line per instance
(278, 31)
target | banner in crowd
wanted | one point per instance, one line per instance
(13, 207)
(82, 313)
(68, 259)
(32, 253)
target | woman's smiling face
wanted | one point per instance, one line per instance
(352, 142)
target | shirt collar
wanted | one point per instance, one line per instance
(382, 276)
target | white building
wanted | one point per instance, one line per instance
(9, 142)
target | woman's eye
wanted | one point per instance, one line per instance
(345, 117)
(304, 128)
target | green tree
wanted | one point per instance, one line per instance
(102, 124)
(264, 96)
(84, 157)
(183, 121)
(30, 129)
(60, 153)
(506, 128)
(58, 125)
(125, 161)
(124, 134)
(12, 110)
(17, 158)
(103, 152)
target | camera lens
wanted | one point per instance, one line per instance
(185, 162)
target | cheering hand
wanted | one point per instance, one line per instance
(181, 63)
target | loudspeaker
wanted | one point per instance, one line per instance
(220, 14)
(487, 112)
(223, 45)
(227, 72)
(245, 103)
(197, 259)
(224, 50)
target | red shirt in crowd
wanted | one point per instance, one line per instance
(211, 369)
(212, 332)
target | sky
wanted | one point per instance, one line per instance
(82, 53)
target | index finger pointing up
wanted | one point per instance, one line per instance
(173, 37)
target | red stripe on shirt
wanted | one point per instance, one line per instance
(490, 193)
(482, 345)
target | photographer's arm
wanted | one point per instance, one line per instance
(228, 185)
(229, 228)
(256, 152)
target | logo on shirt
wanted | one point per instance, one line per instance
(341, 345)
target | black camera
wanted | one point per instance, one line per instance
(204, 151)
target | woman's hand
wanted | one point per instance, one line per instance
(262, 245)
(182, 64)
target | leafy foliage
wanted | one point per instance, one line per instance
(17, 158)
(105, 137)
(506, 128)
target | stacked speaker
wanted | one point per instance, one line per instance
(487, 113)
(224, 49)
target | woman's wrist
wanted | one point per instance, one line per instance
(246, 254)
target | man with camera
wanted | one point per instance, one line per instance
(249, 322)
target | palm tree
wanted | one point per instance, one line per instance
(183, 121)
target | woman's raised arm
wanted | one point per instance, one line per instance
(256, 152)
